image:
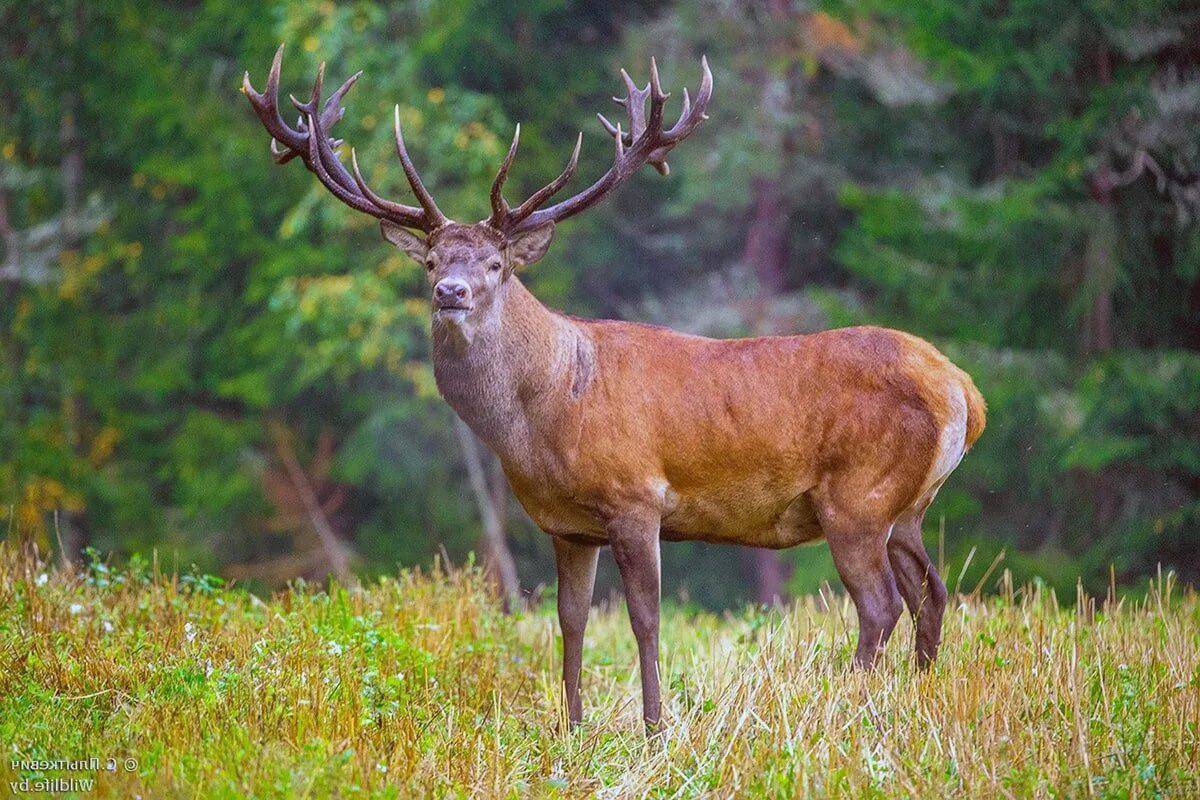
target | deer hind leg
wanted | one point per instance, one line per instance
(919, 583)
(860, 554)
(576, 577)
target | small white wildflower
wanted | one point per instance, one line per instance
(108, 626)
(381, 767)
(189, 631)
(335, 649)
(75, 608)
(41, 579)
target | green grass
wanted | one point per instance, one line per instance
(418, 685)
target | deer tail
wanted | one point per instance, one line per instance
(976, 410)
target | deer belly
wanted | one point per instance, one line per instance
(753, 512)
(751, 517)
(555, 511)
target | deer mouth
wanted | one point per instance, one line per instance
(442, 309)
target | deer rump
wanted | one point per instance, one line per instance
(740, 441)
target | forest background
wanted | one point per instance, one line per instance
(205, 356)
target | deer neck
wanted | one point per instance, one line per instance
(505, 375)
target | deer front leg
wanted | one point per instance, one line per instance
(576, 577)
(636, 550)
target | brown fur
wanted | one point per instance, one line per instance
(720, 437)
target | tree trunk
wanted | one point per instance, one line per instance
(491, 502)
(765, 250)
(770, 577)
(71, 526)
(1192, 340)
(1099, 280)
(11, 271)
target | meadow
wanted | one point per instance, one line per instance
(418, 685)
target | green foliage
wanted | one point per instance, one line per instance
(970, 172)
(1092, 436)
(224, 292)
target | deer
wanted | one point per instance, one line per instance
(627, 435)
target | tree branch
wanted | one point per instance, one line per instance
(335, 551)
(12, 259)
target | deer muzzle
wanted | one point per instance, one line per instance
(452, 294)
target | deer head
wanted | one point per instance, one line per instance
(469, 263)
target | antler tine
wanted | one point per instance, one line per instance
(687, 104)
(630, 86)
(693, 115)
(658, 99)
(499, 206)
(655, 84)
(432, 213)
(689, 118)
(612, 129)
(334, 111)
(635, 106)
(365, 200)
(281, 154)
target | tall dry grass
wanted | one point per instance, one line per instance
(419, 686)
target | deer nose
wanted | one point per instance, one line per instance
(450, 292)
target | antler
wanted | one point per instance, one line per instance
(644, 142)
(310, 141)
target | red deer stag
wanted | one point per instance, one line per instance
(621, 434)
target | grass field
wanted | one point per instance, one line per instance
(419, 686)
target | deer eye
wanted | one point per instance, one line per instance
(493, 265)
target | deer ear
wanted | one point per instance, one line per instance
(528, 247)
(405, 239)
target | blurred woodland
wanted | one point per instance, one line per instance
(204, 354)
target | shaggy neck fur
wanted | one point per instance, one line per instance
(503, 372)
